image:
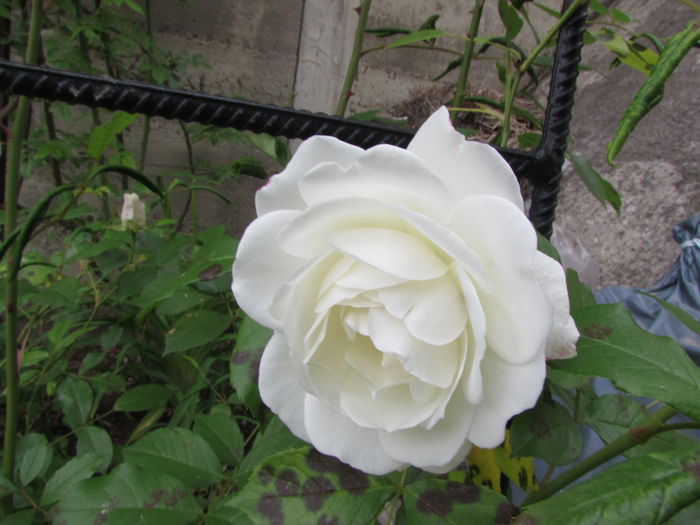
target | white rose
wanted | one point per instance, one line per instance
(133, 211)
(412, 312)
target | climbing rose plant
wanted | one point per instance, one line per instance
(411, 311)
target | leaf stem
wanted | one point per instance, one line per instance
(14, 154)
(513, 81)
(351, 73)
(468, 53)
(652, 425)
(692, 5)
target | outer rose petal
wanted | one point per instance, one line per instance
(518, 314)
(335, 435)
(508, 390)
(466, 167)
(385, 173)
(261, 267)
(279, 388)
(561, 343)
(282, 191)
(435, 448)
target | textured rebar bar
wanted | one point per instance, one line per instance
(545, 172)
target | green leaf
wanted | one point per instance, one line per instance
(580, 294)
(128, 172)
(651, 91)
(648, 489)
(679, 313)
(415, 37)
(510, 18)
(529, 140)
(250, 343)
(75, 397)
(222, 434)
(596, 184)
(250, 167)
(32, 457)
(143, 397)
(65, 478)
(133, 5)
(176, 452)
(611, 416)
(103, 135)
(548, 432)
(96, 440)
(545, 246)
(128, 495)
(22, 517)
(275, 439)
(612, 345)
(195, 329)
(439, 502)
(304, 486)
(185, 298)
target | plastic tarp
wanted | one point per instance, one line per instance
(679, 286)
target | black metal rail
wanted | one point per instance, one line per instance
(542, 167)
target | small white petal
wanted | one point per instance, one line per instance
(279, 388)
(390, 251)
(466, 167)
(282, 191)
(261, 268)
(379, 372)
(436, 447)
(365, 277)
(508, 390)
(561, 343)
(334, 434)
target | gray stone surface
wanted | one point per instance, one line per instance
(658, 171)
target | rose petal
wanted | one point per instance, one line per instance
(561, 343)
(438, 315)
(472, 382)
(436, 365)
(466, 167)
(436, 447)
(365, 277)
(279, 388)
(374, 367)
(448, 242)
(307, 235)
(261, 267)
(282, 192)
(385, 173)
(508, 390)
(334, 434)
(390, 251)
(518, 314)
(389, 409)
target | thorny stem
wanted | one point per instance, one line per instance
(652, 425)
(468, 53)
(19, 131)
(351, 73)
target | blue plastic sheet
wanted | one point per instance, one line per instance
(679, 286)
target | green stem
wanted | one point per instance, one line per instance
(513, 81)
(652, 425)
(695, 7)
(147, 120)
(14, 153)
(351, 73)
(51, 130)
(468, 53)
